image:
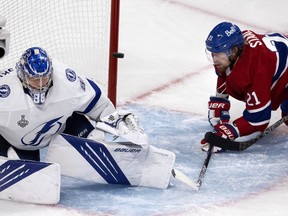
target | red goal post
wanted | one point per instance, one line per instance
(81, 33)
(114, 38)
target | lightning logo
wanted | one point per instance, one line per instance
(42, 132)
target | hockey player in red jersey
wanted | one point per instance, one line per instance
(251, 68)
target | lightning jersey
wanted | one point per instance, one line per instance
(28, 126)
(259, 78)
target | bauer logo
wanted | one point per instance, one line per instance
(127, 150)
(70, 74)
(4, 91)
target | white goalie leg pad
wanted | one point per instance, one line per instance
(96, 135)
(157, 167)
(12, 154)
(29, 181)
(111, 163)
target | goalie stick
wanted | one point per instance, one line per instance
(184, 179)
(240, 146)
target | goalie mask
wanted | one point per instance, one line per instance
(34, 70)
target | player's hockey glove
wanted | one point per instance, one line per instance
(284, 110)
(218, 112)
(122, 123)
(226, 131)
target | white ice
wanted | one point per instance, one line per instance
(165, 66)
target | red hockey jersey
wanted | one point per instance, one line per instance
(259, 78)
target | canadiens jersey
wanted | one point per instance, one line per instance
(259, 78)
(28, 126)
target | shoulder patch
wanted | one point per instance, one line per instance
(4, 91)
(70, 74)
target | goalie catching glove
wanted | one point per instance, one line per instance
(226, 131)
(218, 112)
(122, 123)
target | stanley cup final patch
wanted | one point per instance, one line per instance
(22, 122)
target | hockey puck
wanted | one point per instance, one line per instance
(118, 55)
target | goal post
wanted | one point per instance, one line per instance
(114, 32)
(80, 33)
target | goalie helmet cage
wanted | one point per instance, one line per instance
(80, 33)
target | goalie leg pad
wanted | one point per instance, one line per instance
(111, 163)
(157, 167)
(29, 181)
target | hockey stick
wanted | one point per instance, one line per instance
(205, 166)
(183, 178)
(240, 146)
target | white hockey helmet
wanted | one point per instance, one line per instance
(34, 69)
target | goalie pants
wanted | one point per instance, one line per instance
(76, 125)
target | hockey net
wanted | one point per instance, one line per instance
(77, 32)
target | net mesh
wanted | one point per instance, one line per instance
(74, 31)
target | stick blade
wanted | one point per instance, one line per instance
(185, 179)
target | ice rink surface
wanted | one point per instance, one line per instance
(166, 79)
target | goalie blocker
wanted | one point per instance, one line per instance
(112, 162)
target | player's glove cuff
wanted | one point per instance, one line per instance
(218, 112)
(226, 131)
